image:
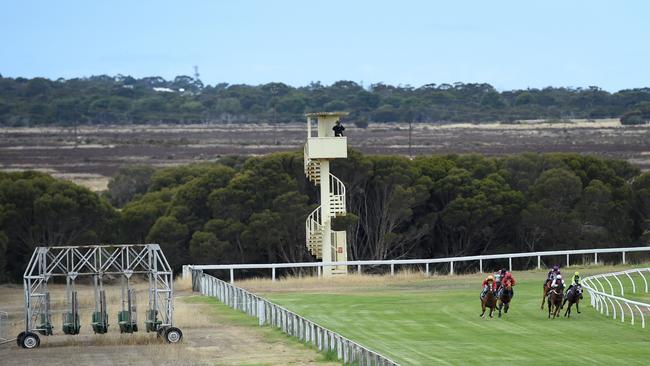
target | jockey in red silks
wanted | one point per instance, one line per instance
(488, 284)
(508, 281)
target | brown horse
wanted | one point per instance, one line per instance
(504, 299)
(573, 296)
(488, 301)
(555, 296)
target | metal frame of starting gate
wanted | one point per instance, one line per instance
(96, 260)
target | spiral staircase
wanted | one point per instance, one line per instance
(322, 242)
(314, 224)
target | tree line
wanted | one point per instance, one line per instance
(126, 100)
(252, 210)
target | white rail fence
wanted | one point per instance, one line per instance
(289, 322)
(602, 290)
(426, 262)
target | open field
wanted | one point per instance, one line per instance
(213, 334)
(93, 154)
(421, 321)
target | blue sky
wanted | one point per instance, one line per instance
(509, 44)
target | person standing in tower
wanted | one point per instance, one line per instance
(338, 129)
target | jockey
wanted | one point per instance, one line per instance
(557, 281)
(488, 284)
(499, 276)
(575, 282)
(506, 281)
(551, 275)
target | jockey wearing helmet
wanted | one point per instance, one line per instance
(558, 281)
(499, 276)
(552, 273)
(575, 282)
(508, 282)
(488, 285)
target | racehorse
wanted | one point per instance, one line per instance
(555, 296)
(504, 299)
(573, 296)
(488, 301)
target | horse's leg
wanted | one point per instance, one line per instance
(578, 307)
(567, 312)
(507, 307)
(550, 308)
(543, 298)
(482, 308)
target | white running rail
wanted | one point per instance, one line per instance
(287, 321)
(603, 290)
(393, 262)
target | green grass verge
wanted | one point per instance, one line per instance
(272, 335)
(436, 321)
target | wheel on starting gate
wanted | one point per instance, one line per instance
(30, 340)
(173, 335)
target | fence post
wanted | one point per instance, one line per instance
(319, 270)
(567, 260)
(451, 267)
(427, 268)
(480, 265)
(596, 258)
(539, 261)
(232, 275)
(623, 257)
(261, 313)
(392, 269)
(358, 269)
(510, 264)
(273, 274)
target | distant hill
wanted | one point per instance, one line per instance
(125, 100)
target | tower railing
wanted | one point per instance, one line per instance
(337, 196)
(314, 231)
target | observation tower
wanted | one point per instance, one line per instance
(322, 241)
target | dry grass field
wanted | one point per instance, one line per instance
(94, 154)
(213, 334)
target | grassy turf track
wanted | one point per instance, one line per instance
(436, 321)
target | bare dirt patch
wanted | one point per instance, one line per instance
(212, 335)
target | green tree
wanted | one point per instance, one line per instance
(129, 182)
(172, 237)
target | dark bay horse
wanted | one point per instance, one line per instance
(555, 297)
(504, 299)
(573, 296)
(488, 301)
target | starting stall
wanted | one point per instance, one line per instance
(98, 262)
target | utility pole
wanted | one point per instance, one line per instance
(410, 130)
(274, 93)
